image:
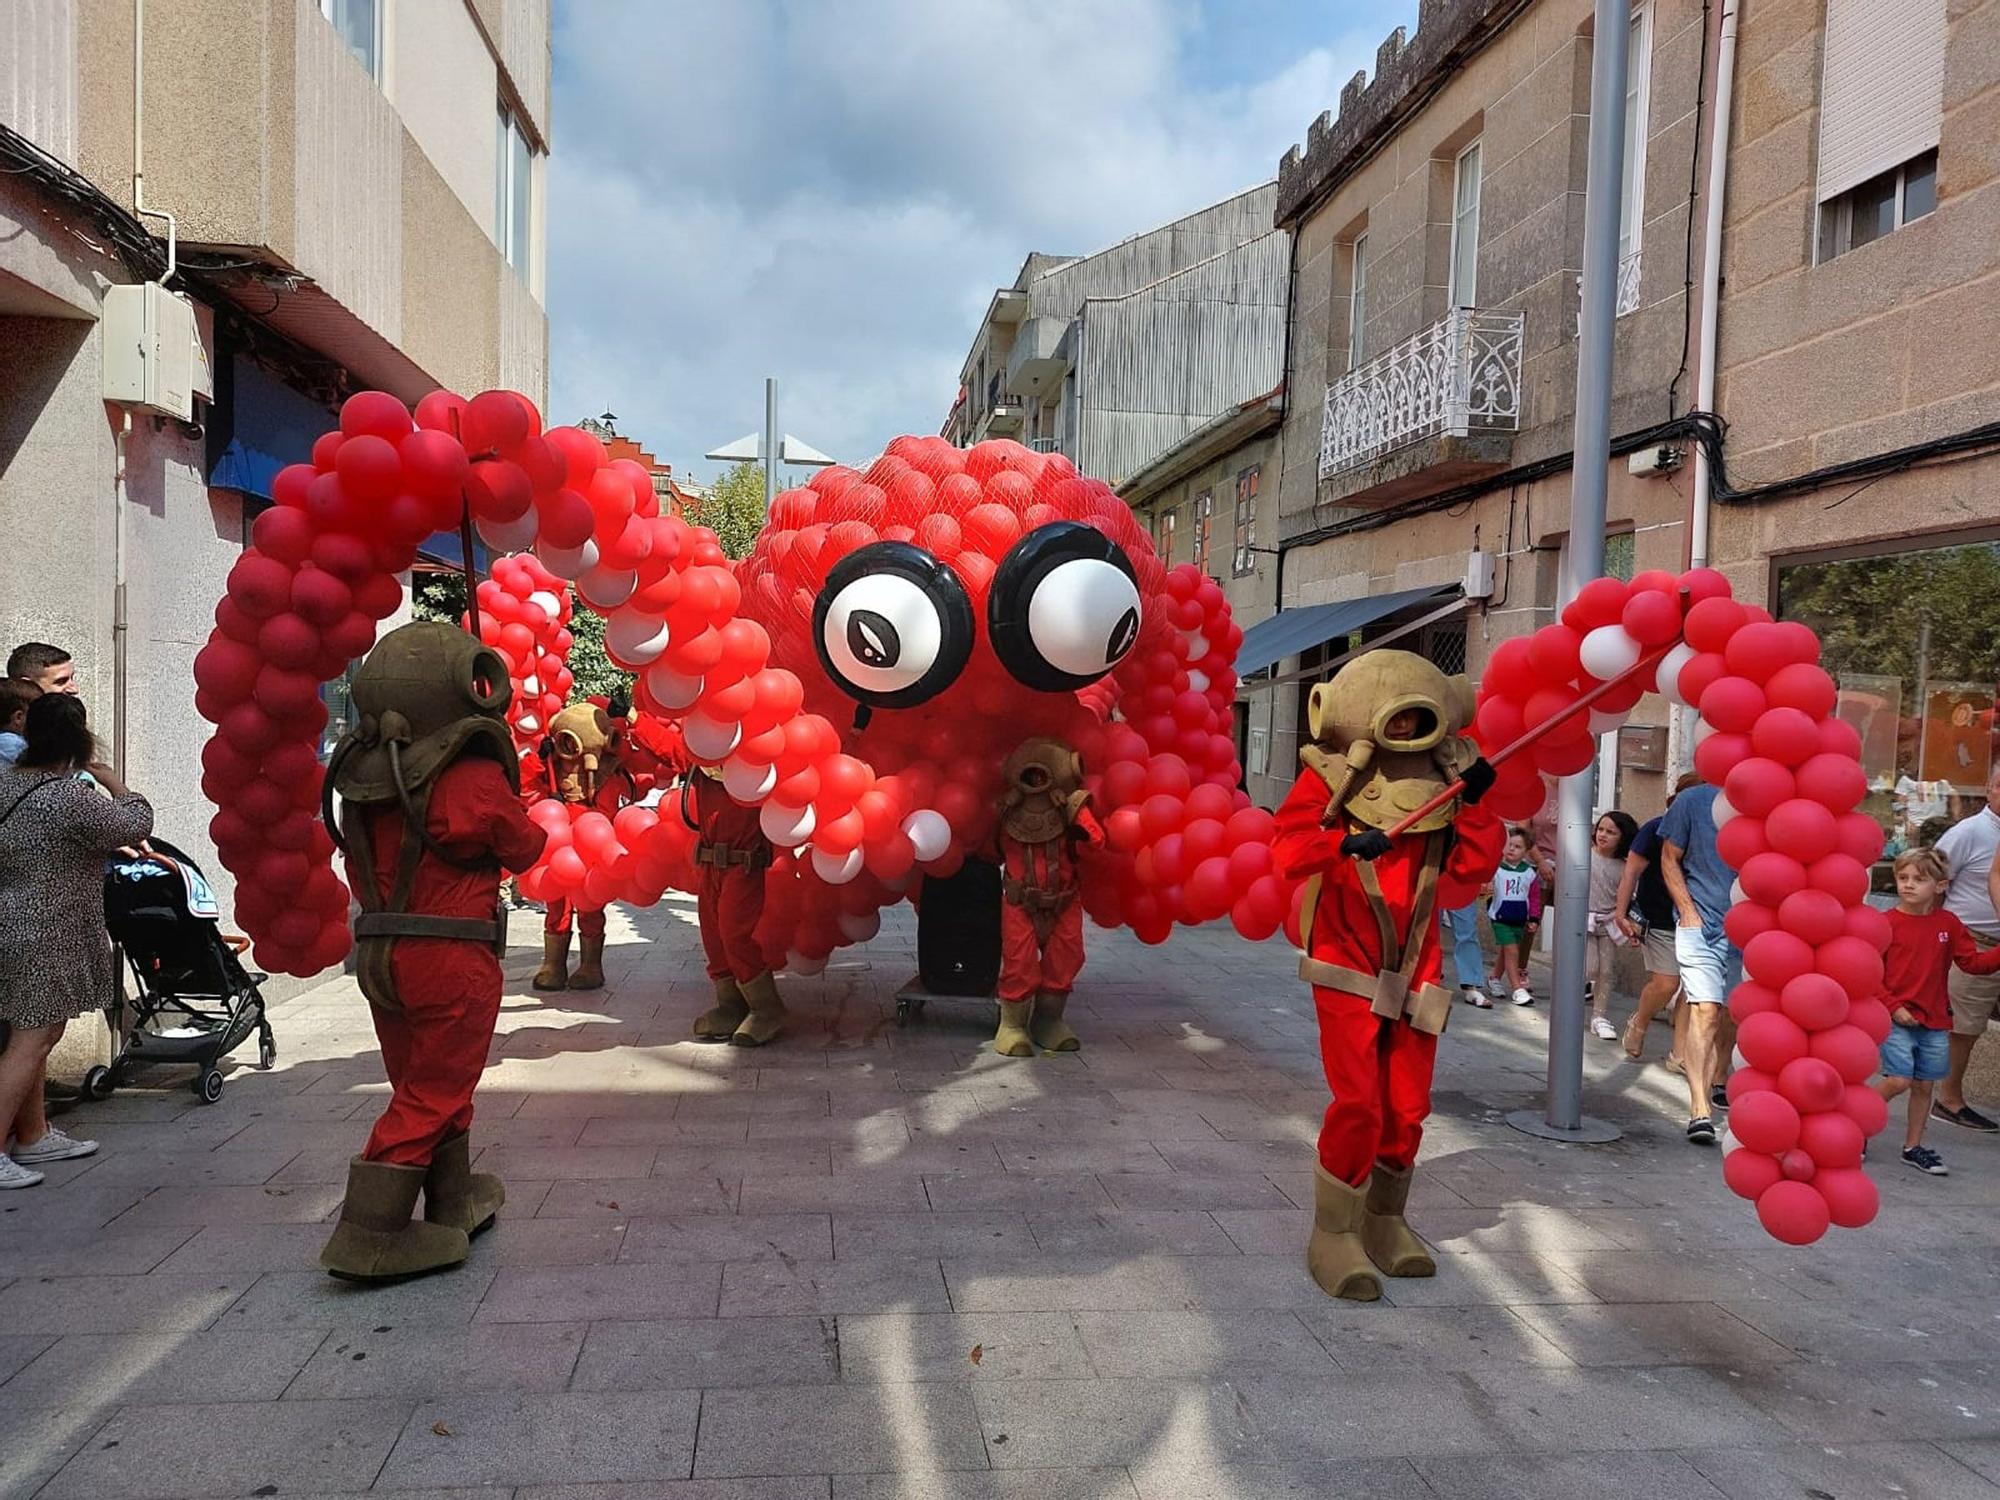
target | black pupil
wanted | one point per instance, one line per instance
(872, 639)
(1123, 634)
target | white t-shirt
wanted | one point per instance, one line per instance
(1968, 849)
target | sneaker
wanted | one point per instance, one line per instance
(1964, 1115)
(1926, 1160)
(55, 1146)
(14, 1175)
(1599, 1027)
(1523, 996)
(1496, 987)
(1719, 1096)
(1701, 1131)
(1475, 996)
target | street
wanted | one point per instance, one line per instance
(878, 1262)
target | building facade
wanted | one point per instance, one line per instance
(349, 194)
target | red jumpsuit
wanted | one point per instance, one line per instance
(1029, 962)
(644, 760)
(731, 896)
(434, 1049)
(1378, 1069)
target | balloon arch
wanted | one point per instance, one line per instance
(1022, 598)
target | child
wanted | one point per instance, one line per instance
(1516, 913)
(1610, 841)
(16, 693)
(1924, 942)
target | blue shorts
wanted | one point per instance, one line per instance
(1916, 1052)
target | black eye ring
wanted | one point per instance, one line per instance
(918, 617)
(1020, 581)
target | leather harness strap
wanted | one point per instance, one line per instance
(729, 857)
(1389, 991)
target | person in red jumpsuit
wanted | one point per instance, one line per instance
(1044, 817)
(592, 756)
(1386, 740)
(433, 740)
(731, 854)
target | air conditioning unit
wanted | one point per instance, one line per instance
(1479, 575)
(154, 358)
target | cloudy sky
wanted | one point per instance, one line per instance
(829, 190)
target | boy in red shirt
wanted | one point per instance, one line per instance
(1924, 942)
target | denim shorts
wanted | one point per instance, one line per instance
(1916, 1052)
(1710, 967)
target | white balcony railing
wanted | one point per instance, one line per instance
(1628, 287)
(1459, 376)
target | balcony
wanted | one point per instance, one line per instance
(1036, 358)
(1628, 287)
(1438, 409)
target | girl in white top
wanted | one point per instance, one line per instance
(1610, 842)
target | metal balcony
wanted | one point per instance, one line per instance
(1460, 376)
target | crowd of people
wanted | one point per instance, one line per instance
(63, 812)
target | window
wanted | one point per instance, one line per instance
(1204, 523)
(1881, 102)
(359, 23)
(1878, 206)
(1357, 300)
(1170, 522)
(1247, 484)
(1620, 558)
(1465, 228)
(513, 192)
(1632, 188)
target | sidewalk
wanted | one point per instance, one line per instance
(871, 1263)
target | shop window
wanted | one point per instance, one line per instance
(1912, 639)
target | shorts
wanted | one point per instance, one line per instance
(1657, 947)
(1917, 1052)
(1507, 935)
(1708, 969)
(1973, 997)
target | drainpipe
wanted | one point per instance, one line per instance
(139, 141)
(1711, 277)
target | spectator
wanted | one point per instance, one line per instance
(47, 667)
(1468, 960)
(1516, 913)
(55, 956)
(1968, 848)
(15, 695)
(1610, 841)
(1925, 946)
(1699, 883)
(1646, 913)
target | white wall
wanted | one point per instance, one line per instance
(441, 73)
(38, 72)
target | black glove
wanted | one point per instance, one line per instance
(620, 706)
(1478, 778)
(1370, 843)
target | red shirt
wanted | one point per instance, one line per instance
(473, 815)
(1921, 953)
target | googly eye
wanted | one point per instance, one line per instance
(892, 626)
(1064, 607)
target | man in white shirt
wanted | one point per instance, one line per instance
(1968, 849)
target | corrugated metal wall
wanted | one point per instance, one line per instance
(38, 72)
(1146, 258)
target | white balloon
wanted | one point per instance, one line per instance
(748, 784)
(606, 588)
(509, 536)
(635, 639)
(531, 687)
(1603, 723)
(587, 556)
(929, 833)
(529, 724)
(1729, 1141)
(1197, 681)
(797, 963)
(1702, 730)
(548, 603)
(1670, 672)
(1609, 650)
(859, 927)
(1737, 1059)
(789, 826)
(1736, 896)
(708, 740)
(836, 869)
(1721, 811)
(669, 689)
(564, 562)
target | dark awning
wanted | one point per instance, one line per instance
(1291, 631)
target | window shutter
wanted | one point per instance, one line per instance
(1882, 94)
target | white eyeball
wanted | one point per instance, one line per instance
(892, 627)
(1064, 607)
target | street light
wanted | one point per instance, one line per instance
(754, 449)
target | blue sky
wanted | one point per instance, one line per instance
(829, 190)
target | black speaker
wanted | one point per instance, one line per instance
(958, 931)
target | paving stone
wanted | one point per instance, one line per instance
(197, 1450)
(1042, 1484)
(1856, 1471)
(30, 1218)
(116, 1304)
(1012, 1346)
(1316, 1479)
(1981, 1456)
(313, 1299)
(1660, 1333)
(245, 1250)
(569, 1163)
(1375, 1337)
(574, 1438)
(225, 1166)
(720, 1237)
(1147, 1190)
(773, 1288)
(852, 1192)
(304, 1203)
(1564, 1410)
(1023, 1192)
(675, 1489)
(1172, 1345)
(1836, 1404)
(1168, 1231)
(931, 1235)
(594, 1293)
(1111, 1284)
(904, 1429)
(1475, 1277)
(1501, 1476)
(152, 1369)
(1046, 1158)
(627, 1198)
(430, 1361)
(44, 1251)
(709, 1352)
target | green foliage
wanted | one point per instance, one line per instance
(438, 596)
(734, 509)
(1870, 612)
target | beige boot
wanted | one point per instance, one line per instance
(589, 973)
(554, 973)
(1013, 1038)
(1390, 1242)
(376, 1239)
(767, 1013)
(720, 1020)
(1047, 1026)
(456, 1195)
(1335, 1254)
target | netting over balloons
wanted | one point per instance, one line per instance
(1808, 1010)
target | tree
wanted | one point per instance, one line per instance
(734, 508)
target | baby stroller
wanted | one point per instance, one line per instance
(196, 1002)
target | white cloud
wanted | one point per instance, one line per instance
(829, 190)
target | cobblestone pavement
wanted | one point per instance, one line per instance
(875, 1262)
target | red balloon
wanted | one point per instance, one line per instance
(283, 534)
(1770, 877)
(1747, 919)
(1741, 840)
(1652, 618)
(1703, 672)
(1838, 737)
(1599, 602)
(259, 586)
(1565, 758)
(1846, 880)
(1785, 735)
(1864, 1107)
(1756, 785)
(1509, 671)
(1831, 1138)
(289, 642)
(1798, 1165)
(369, 469)
(1711, 622)
(1766, 1122)
(1803, 828)
(1873, 1017)
(1776, 958)
(1208, 892)
(1849, 1049)
(1748, 1081)
(1160, 815)
(1860, 838)
(1552, 652)
(1770, 1040)
(565, 519)
(1545, 703)
(226, 668)
(1853, 965)
(1715, 756)
(1733, 704)
(1500, 722)
(1804, 687)
(1793, 1212)
(1798, 643)
(374, 414)
(1813, 916)
(1750, 1174)
(1833, 780)
(1852, 1200)
(1704, 583)
(1751, 999)
(1811, 1084)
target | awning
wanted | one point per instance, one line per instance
(1291, 631)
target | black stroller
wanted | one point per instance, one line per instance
(196, 1003)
